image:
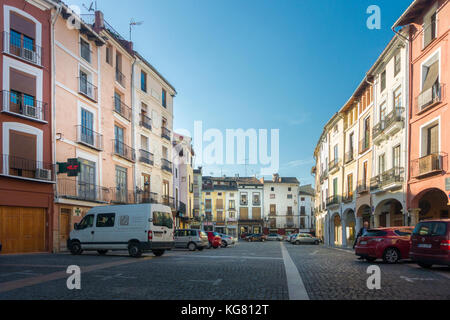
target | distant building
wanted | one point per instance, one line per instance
(306, 208)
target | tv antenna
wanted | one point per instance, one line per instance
(134, 23)
(92, 6)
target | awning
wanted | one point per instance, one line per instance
(432, 76)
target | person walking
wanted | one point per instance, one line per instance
(361, 233)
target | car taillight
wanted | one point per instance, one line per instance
(445, 245)
(150, 235)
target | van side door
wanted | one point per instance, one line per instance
(85, 231)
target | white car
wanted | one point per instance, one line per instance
(305, 238)
(227, 240)
(136, 228)
(274, 237)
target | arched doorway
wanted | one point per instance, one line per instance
(389, 213)
(350, 227)
(365, 213)
(337, 230)
(433, 204)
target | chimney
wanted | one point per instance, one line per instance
(276, 177)
(99, 23)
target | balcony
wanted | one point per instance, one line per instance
(87, 89)
(14, 45)
(334, 165)
(323, 176)
(146, 157)
(364, 144)
(244, 203)
(82, 191)
(349, 156)
(120, 78)
(28, 168)
(333, 201)
(257, 203)
(168, 201)
(388, 180)
(432, 164)
(430, 98)
(362, 187)
(166, 165)
(24, 106)
(122, 109)
(389, 126)
(165, 133)
(89, 138)
(145, 122)
(124, 151)
(349, 197)
(290, 224)
(147, 197)
(122, 196)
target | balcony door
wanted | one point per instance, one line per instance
(396, 160)
(86, 180)
(119, 136)
(433, 140)
(87, 127)
(121, 184)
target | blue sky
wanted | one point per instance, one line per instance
(263, 64)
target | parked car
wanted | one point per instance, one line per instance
(305, 238)
(390, 244)
(214, 240)
(256, 238)
(226, 240)
(136, 228)
(274, 237)
(430, 243)
(289, 237)
(192, 239)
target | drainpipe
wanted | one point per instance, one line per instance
(53, 20)
(133, 107)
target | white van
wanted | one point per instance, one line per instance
(136, 228)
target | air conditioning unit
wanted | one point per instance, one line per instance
(43, 174)
(30, 111)
(28, 54)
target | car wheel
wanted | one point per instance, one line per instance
(102, 252)
(371, 259)
(134, 250)
(297, 242)
(425, 265)
(200, 248)
(216, 247)
(192, 246)
(208, 246)
(75, 248)
(316, 243)
(224, 244)
(391, 256)
(158, 253)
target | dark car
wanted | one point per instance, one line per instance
(389, 244)
(430, 243)
(256, 238)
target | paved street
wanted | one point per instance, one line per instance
(271, 270)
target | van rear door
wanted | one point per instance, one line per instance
(162, 226)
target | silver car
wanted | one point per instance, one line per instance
(305, 238)
(227, 240)
(274, 237)
(191, 239)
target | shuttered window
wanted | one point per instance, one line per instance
(431, 77)
(22, 82)
(22, 25)
(22, 154)
(243, 213)
(433, 140)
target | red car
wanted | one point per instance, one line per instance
(390, 244)
(214, 239)
(431, 243)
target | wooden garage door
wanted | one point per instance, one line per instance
(22, 230)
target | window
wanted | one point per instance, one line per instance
(162, 219)
(383, 114)
(143, 81)
(87, 127)
(289, 196)
(273, 209)
(87, 222)
(397, 64)
(350, 185)
(244, 199)
(302, 199)
(164, 98)
(396, 157)
(429, 28)
(208, 205)
(121, 184)
(106, 220)
(398, 100)
(109, 55)
(381, 164)
(256, 199)
(22, 94)
(22, 38)
(85, 50)
(289, 211)
(433, 139)
(272, 189)
(289, 189)
(383, 81)
(335, 187)
(302, 210)
(231, 204)
(431, 229)
(22, 154)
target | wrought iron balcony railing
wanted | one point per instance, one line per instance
(168, 201)
(348, 197)
(166, 165)
(333, 200)
(27, 168)
(23, 105)
(165, 133)
(364, 144)
(122, 196)
(122, 109)
(428, 165)
(124, 151)
(362, 187)
(394, 175)
(334, 164)
(145, 122)
(394, 116)
(147, 197)
(429, 98)
(120, 78)
(87, 89)
(146, 157)
(89, 138)
(83, 191)
(349, 156)
(16, 46)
